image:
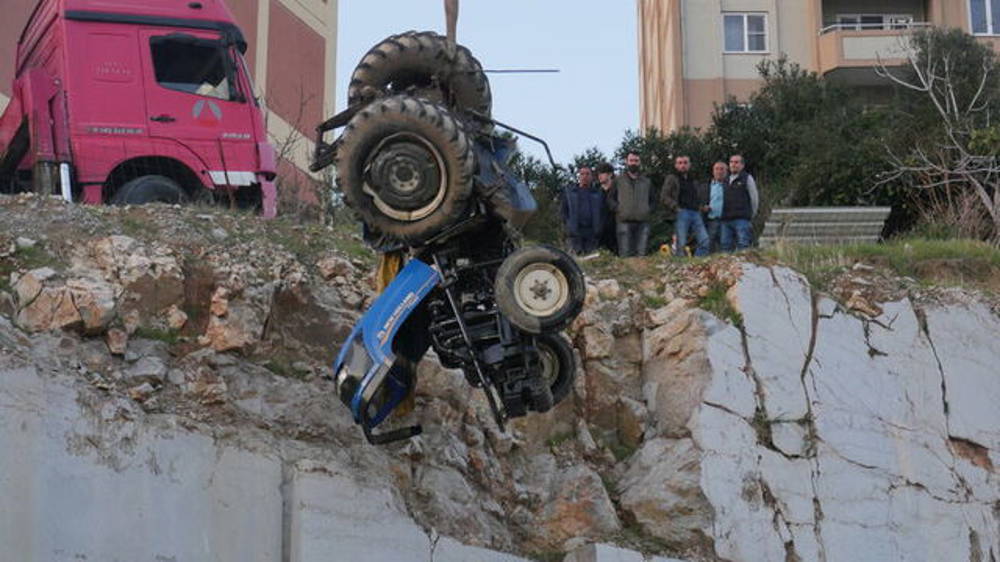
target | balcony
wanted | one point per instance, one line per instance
(851, 51)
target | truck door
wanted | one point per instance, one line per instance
(194, 96)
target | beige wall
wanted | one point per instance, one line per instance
(682, 88)
(950, 13)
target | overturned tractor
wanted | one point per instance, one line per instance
(420, 161)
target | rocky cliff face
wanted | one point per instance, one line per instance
(160, 400)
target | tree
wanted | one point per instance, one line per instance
(953, 87)
(809, 141)
(546, 185)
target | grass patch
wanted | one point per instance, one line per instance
(716, 302)
(169, 337)
(285, 367)
(34, 257)
(547, 556)
(947, 262)
(654, 301)
(621, 451)
(137, 227)
(635, 537)
(559, 439)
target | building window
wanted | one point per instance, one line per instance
(985, 16)
(746, 33)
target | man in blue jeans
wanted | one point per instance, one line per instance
(713, 217)
(681, 192)
(740, 201)
(631, 200)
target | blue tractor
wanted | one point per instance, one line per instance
(421, 162)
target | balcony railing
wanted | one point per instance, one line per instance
(856, 45)
(896, 26)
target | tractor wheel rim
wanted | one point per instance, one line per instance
(406, 177)
(541, 289)
(549, 363)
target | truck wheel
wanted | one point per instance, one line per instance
(418, 64)
(150, 189)
(539, 289)
(557, 364)
(405, 165)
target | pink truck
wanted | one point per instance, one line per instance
(126, 102)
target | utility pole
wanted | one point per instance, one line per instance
(451, 17)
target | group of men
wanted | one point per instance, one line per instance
(616, 211)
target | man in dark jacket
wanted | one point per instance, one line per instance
(605, 181)
(690, 199)
(632, 202)
(582, 210)
(739, 206)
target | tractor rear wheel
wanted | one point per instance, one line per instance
(405, 165)
(420, 64)
(558, 367)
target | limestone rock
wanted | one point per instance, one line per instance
(776, 305)
(176, 318)
(595, 342)
(631, 421)
(335, 266)
(148, 369)
(663, 315)
(662, 490)
(150, 275)
(52, 309)
(579, 505)
(609, 289)
(117, 341)
(236, 325)
(675, 371)
(28, 286)
(96, 301)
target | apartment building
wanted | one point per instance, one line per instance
(694, 54)
(292, 55)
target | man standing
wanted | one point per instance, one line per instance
(632, 202)
(739, 206)
(682, 193)
(608, 238)
(582, 212)
(716, 192)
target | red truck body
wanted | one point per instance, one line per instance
(119, 89)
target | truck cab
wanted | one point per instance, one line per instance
(126, 102)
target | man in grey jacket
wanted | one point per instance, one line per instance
(631, 201)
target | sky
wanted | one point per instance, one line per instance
(591, 102)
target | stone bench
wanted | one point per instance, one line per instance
(824, 225)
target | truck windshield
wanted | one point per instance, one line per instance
(196, 66)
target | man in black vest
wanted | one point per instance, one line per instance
(582, 209)
(739, 207)
(689, 198)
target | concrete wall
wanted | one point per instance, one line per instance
(95, 480)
